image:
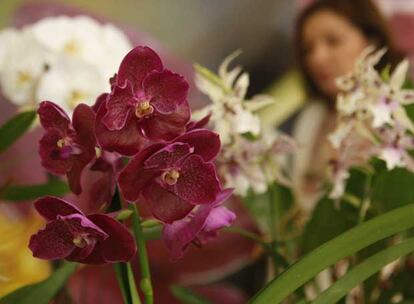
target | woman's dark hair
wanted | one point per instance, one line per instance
(364, 15)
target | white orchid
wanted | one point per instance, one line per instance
(251, 154)
(70, 60)
(371, 108)
(395, 142)
(70, 82)
(24, 63)
(229, 108)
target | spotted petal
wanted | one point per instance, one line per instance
(166, 90)
(205, 143)
(119, 105)
(50, 207)
(134, 177)
(53, 116)
(166, 127)
(120, 245)
(198, 182)
(164, 205)
(136, 65)
(55, 241)
(127, 141)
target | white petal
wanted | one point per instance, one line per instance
(71, 82)
(399, 75)
(245, 122)
(24, 64)
(341, 132)
(381, 113)
(392, 157)
(258, 102)
(339, 184)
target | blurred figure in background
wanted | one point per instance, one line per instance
(330, 35)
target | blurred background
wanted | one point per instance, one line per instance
(207, 31)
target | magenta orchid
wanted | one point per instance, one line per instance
(71, 235)
(174, 177)
(198, 227)
(146, 101)
(67, 147)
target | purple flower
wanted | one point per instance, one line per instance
(71, 235)
(174, 177)
(146, 101)
(198, 227)
(67, 147)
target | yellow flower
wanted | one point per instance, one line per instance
(17, 265)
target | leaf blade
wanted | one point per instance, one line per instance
(31, 192)
(363, 271)
(42, 292)
(14, 128)
(346, 244)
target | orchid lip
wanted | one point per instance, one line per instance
(143, 109)
(170, 177)
(61, 143)
(80, 242)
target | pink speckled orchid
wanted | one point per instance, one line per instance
(69, 234)
(67, 146)
(174, 177)
(146, 101)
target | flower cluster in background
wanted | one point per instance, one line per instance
(372, 118)
(252, 155)
(145, 116)
(64, 59)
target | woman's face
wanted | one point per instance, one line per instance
(331, 46)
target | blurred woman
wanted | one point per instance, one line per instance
(330, 35)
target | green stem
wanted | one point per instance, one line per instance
(245, 233)
(272, 222)
(146, 285)
(121, 282)
(366, 200)
(132, 287)
(272, 213)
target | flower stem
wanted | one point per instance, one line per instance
(121, 282)
(245, 233)
(272, 213)
(145, 284)
(132, 287)
(272, 221)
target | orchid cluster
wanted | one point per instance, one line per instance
(145, 116)
(252, 155)
(372, 118)
(70, 60)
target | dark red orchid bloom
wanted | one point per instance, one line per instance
(67, 147)
(71, 235)
(146, 101)
(174, 177)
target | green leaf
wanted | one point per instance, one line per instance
(363, 271)
(43, 292)
(187, 296)
(31, 192)
(392, 189)
(346, 244)
(327, 222)
(258, 204)
(14, 128)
